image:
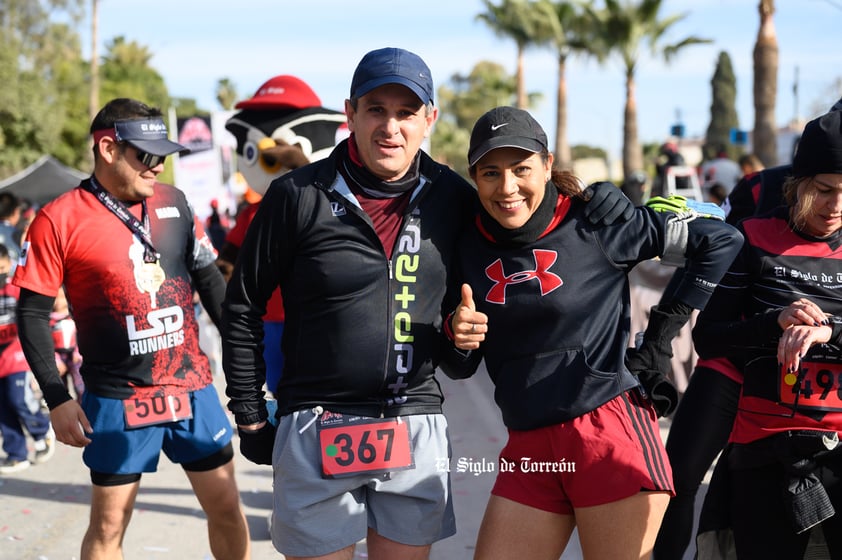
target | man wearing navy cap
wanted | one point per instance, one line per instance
(129, 253)
(363, 246)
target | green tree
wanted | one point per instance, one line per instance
(623, 28)
(226, 93)
(524, 22)
(39, 69)
(764, 136)
(582, 151)
(70, 76)
(463, 100)
(125, 72)
(93, 94)
(186, 107)
(47, 85)
(723, 111)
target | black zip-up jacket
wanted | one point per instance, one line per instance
(363, 331)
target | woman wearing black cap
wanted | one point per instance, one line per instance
(546, 304)
(778, 314)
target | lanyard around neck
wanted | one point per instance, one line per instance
(139, 228)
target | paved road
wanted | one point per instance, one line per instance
(43, 510)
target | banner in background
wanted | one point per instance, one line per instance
(204, 174)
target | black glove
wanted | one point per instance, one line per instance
(256, 446)
(806, 499)
(606, 204)
(651, 362)
(659, 389)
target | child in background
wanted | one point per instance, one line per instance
(19, 407)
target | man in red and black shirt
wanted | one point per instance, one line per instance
(130, 252)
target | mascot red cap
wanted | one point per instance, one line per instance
(282, 91)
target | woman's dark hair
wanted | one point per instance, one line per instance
(565, 181)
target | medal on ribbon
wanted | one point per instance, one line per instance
(151, 278)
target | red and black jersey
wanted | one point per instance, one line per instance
(776, 266)
(133, 342)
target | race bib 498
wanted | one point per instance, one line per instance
(817, 386)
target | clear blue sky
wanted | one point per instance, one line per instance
(197, 42)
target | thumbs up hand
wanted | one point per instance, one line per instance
(469, 325)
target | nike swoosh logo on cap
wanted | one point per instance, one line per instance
(496, 126)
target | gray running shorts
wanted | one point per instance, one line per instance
(313, 516)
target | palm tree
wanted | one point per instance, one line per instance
(568, 34)
(461, 102)
(622, 27)
(764, 140)
(523, 21)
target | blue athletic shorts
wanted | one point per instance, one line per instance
(117, 450)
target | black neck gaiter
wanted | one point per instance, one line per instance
(351, 167)
(534, 227)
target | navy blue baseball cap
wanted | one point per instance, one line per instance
(506, 127)
(147, 135)
(393, 66)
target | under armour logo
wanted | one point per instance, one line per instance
(546, 279)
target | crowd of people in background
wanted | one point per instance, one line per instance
(23, 416)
